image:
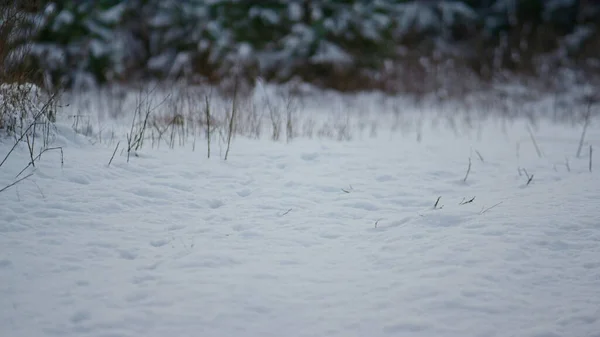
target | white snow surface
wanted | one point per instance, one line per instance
(310, 238)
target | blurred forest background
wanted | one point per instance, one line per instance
(418, 47)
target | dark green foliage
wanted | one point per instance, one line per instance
(312, 39)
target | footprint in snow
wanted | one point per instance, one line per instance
(329, 236)
(137, 296)
(244, 193)
(80, 316)
(238, 228)
(79, 180)
(215, 203)
(362, 205)
(176, 227)
(589, 265)
(159, 243)
(127, 255)
(404, 327)
(385, 178)
(310, 156)
(141, 279)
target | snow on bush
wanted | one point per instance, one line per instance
(22, 107)
(84, 42)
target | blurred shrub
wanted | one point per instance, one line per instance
(339, 44)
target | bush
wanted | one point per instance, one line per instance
(341, 44)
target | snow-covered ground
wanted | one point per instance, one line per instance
(313, 238)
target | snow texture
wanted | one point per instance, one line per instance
(310, 238)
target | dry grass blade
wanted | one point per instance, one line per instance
(468, 171)
(585, 126)
(529, 177)
(286, 212)
(484, 210)
(36, 158)
(535, 144)
(480, 156)
(591, 153)
(437, 202)
(232, 119)
(208, 124)
(15, 182)
(25, 133)
(113, 155)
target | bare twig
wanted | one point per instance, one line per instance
(40, 113)
(468, 171)
(113, 155)
(464, 202)
(135, 137)
(377, 222)
(567, 164)
(31, 163)
(529, 177)
(535, 144)
(15, 182)
(435, 206)
(128, 146)
(39, 189)
(591, 152)
(489, 208)
(232, 119)
(30, 145)
(585, 126)
(480, 156)
(207, 113)
(286, 212)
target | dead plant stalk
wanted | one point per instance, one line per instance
(232, 119)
